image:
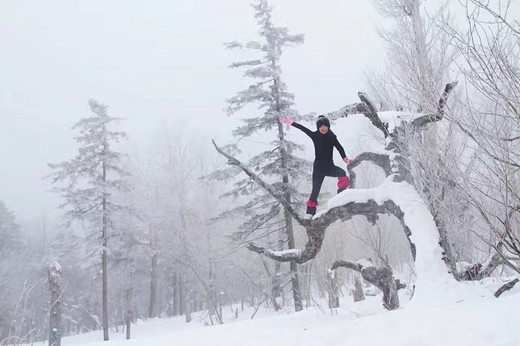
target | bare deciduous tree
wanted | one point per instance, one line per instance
(394, 162)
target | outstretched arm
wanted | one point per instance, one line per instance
(288, 120)
(340, 149)
(303, 128)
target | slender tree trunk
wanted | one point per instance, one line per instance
(333, 290)
(276, 287)
(422, 56)
(212, 291)
(187, 299)
(175, 295)
(220, 304)
(128, 316)
(104, 262)
(153, 286)
(187, 306)
(55, 323)
(105, 285)
(308, 292)
(195, 306)
(295, 280)
(357, 292)
(182, 295)
(212, 296)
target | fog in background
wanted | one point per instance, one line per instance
(153, 63)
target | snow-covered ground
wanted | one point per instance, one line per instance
(477, 319)
(442, 312)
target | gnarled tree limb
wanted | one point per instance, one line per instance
(439, 115)
(344, 112)
(381, 277)
(371, 113)
(380, 160)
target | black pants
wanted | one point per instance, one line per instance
(321, 170)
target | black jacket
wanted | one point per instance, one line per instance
(323, 144)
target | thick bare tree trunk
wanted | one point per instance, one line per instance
(55, 323)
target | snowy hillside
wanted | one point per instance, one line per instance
(478, 319)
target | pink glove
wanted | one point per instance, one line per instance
(347, 160)
(285, 120)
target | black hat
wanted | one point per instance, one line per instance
(322, 121)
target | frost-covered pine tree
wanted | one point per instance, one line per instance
(9, 231)
(93, 177)
(12, 271)
(263, 214)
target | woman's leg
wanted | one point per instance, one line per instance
(317, 181)
(343, 180)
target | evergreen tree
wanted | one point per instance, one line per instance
(94, 176)
(9, 231)
(263, 215)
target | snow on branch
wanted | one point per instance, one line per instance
(315, 228)
(248, 45)
(247, 63)
(362, 202)
(344, 112)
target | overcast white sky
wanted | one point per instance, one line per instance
(152, 60)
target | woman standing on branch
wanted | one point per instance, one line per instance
(324, 140)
